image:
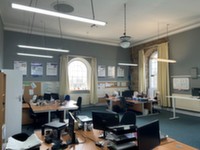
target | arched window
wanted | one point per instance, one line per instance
(79, 73)
(153, 70)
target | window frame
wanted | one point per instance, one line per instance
(88, 67)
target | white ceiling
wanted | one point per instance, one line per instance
(146, 19)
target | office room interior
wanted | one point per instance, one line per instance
(169, 33)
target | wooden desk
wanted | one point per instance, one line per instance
(55, 106)
(87, 138)
(138, 106)
(174, 145)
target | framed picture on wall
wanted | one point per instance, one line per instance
(101, 70)
(51, 69)
(120, 72)
(21, 66)
(36, 69)
(111, 71)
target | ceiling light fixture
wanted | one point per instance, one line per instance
(125, 40)
(43, 48)
(166, 60)
(57, 14)
(34, 55)
(127, 64)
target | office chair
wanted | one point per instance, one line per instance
(78, 103)
(67, 97)
(123, 104)
(37, 117)
(128, 117)
(33, 116)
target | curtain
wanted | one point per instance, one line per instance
(163, 75)
(93, 83)
(142, 83)
(64, 80)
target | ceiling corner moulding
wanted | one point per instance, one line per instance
(34, 55)
(43, 48)
(57, 14)
(127, 64)
(166, 60)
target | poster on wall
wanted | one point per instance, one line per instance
(101, 71)
(36, 69)
(181, 83)
(111, 71)
(51, 69)
(120, 72)
(21, 66)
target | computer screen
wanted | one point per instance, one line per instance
(71, 132)
(196, 92)
(47, 96)
(128, 93)
(148, 135)
(55, 96)
(101, 120)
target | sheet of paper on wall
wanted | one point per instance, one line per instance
(32, 141)
(31, 91)
(33, 85)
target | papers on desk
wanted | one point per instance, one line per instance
(84, 118)
(32, 141)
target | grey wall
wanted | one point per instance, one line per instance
(106, 55)
(1, 43)
(185, 48)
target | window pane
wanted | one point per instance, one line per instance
(153, 70)
(77, 71)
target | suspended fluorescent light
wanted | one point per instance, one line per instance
(127, 64)
(43, 48)
(57, 14)
(166, 60)
(34, 55)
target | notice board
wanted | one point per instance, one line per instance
(181, 83)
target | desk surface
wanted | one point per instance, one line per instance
(53, 106)
(87, 138)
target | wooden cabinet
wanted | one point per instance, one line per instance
(2, 104)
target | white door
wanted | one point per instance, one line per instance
(13, 109)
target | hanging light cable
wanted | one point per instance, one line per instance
(40, 47)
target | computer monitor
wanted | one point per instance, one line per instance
(196, 92)
(55, 96)
(47, 96)
(101, 120)
(148, 135)
(71, 132)
(127, 93)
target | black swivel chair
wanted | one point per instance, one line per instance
(33, 115)
(78, 103)
(38, 118)
(123, 104)
(128, 117)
